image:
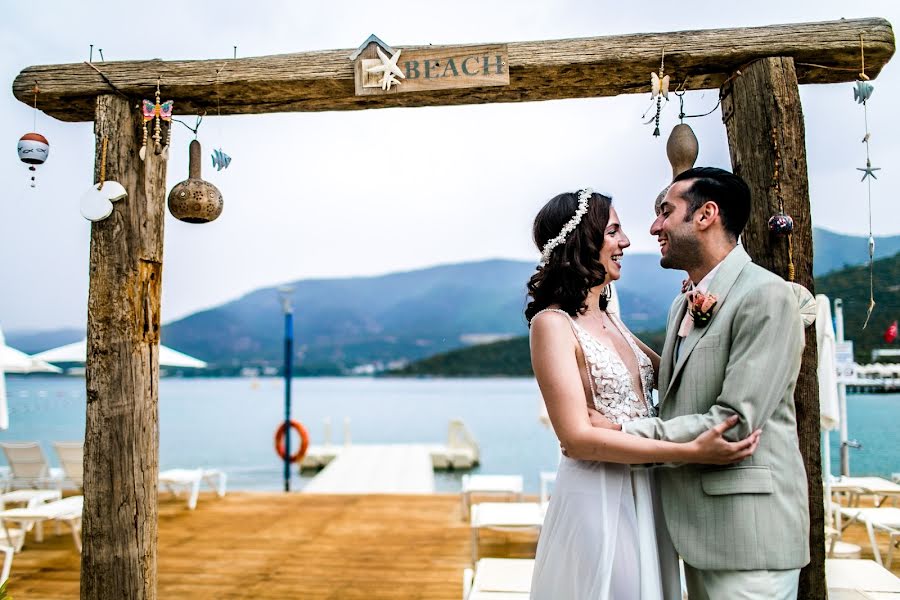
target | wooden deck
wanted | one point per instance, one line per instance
(269, 545)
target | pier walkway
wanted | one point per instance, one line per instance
(381, 469)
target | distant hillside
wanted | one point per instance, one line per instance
(510, 358)
(346, 322)
(852, 286)
(835, 251)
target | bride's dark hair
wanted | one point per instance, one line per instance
(574, 266)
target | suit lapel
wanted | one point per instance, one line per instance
(721, 284)
(667, 359)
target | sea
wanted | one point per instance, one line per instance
(229, 423)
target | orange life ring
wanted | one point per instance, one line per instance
(304, 441)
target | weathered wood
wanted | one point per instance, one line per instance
(121, 445)
(763, 98)
(540, 70)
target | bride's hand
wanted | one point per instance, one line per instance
(711, 447)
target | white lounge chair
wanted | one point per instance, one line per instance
(8, 552)
(864, 576)
(68, 511)
(498, 579)
(71, 460)
(885, 519)
(176, 480)
(879, 488)
(29, 467)
(504, 516)
(489, 485)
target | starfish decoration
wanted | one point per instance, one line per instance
(390, 69)
(868, 170)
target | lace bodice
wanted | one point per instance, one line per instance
(611, 384)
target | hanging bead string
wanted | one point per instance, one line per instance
(103, 162)
(868, 172)
(662, 64)
(776, 188)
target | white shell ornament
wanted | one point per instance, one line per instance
(805, 303)
(96, 203)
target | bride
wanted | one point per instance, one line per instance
(603, 535)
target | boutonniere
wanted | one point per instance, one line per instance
(700, 307)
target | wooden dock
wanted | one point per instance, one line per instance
(270, 546)
(276, 546)
(370, 469)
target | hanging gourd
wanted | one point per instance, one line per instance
(195, 200)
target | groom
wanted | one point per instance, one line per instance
(742, 530)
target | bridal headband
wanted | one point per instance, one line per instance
(583, 197)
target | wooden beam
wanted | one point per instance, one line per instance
(826, 52)
(764, 98)
(121, 442)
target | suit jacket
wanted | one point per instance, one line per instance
(745, 361)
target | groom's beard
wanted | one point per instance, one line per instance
(683, 252)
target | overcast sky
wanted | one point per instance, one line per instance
(302, 195)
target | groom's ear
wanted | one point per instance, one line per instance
(707, 215)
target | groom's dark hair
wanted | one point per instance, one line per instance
(730, 193)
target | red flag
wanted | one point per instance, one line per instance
(891, 334)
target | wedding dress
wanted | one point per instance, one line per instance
(604, 536)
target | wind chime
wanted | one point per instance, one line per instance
(33, 148)
(862, 91)
(157, 112)
(659, 89)
(220, 160)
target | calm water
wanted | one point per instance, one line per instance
(229, 423)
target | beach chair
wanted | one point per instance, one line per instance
(29, 467)
(879, 488)
(176, 480)
(498, 579)
(8, 552)
(489, 485)
(504, 516)
(68, 511)
(71, 460)
(867, 577)
(884, 519)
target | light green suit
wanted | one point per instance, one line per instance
(745, 361)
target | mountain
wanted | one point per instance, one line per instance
(511, 357)
(346, 322)
(399, 316)
(835, 251)
(852, 286)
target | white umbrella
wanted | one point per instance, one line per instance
(829, 405)
(13, 361)
(77, 353)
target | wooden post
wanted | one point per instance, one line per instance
(766, 97)
(121, 445)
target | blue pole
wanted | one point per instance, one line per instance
(288, 355)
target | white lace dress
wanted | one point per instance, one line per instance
(604, 536)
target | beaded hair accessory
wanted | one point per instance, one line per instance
(583, 197)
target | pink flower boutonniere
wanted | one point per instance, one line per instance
(700, 307)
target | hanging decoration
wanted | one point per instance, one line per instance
(97, 202)
(862, 91)
(781, 224)
(195, 200)
(220, 160)
(33, 148)
(157, 112)
(659, 89)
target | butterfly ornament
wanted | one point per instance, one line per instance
(157, 112)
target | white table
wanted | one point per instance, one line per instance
(865, 577)
(878, 487)
(504, 516)
(499, 579)
(493, 485)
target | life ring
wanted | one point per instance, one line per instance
(304, 441)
